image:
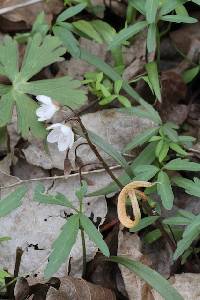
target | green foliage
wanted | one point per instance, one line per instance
(40, 52)
(154, 279)
(190, 234)
(62, 246)
(12, 201)
(145, 222)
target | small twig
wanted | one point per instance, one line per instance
(16, 6)
(20, 181)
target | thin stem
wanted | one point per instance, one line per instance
(98, 155)
(84, 251)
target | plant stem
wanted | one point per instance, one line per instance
(84, 251)
(98, 155)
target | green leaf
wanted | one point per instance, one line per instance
(165, 190)
(152, 236)
(126, 34)
(27, 119)
(67, 39)
(9, 58)
(145, 171)
(65, 90)
(87, 28)
(6, 109)
(177, 221)
(181, 10)
(163, 152)
(4, 239)
(40, 25)
(94, 234)
(62, 245)
(104, 29)
(124, 101)
(139, 5)
(170, 132)
(170, 5)
(71, 12)
(40, 52)
(3, 275)
(190, 74)
(12, 201)
(151, 38)
(151, 8)
(118, 86)
(147, 156)
(152, 72)
(112, 74)
(191, 187)
(4, 89)
(141, 138)
(182, 165)
(59, 199)
(108, 148)
(196, 1)
(145, 222)
(178, 149)
(191, 233)
(154, 279)
(178, 19)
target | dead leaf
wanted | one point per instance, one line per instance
(79, 289)
(29, 13)
(130, 246)
(187, 284)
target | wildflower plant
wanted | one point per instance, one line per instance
(40, 52)
(164, 155)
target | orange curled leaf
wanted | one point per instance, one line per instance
(130, 190)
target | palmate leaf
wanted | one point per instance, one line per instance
(40, 52)
(63, 245)
(154, 279)
(12, 201)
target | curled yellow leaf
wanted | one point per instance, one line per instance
(130, 190)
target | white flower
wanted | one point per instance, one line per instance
(61, 134)
(47, 108)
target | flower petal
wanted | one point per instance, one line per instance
(44, 99)
(53, 136)
(56, 125)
